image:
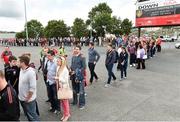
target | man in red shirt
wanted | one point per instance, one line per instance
(158, 44)
(5, 55)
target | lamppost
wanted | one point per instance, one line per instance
(26, 20)
(91, 29)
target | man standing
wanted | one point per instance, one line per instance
(77, 69)
(51, 81)
(93, 59)
(27, 89)
(12, 73)
(109, 63)
(5, 56)
(9, 103)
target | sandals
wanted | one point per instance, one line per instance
(66, 118)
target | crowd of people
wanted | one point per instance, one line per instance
(66, 41)
(18, 81)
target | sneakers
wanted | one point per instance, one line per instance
(82, 107)
(106, 85)
(54, 111)
(134, 65)
(130, 65)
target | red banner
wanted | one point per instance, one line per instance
(158, 21)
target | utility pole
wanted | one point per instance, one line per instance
(26, 20)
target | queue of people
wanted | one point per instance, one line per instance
(18, 83)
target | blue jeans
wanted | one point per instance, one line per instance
(53, 97)
(109, 68)
(78, 88)
(30, 110)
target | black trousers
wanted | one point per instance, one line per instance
(92, 72)
(158, 48)
(132, 58)
(141, 62)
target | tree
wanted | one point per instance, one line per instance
(100, 19)
(79, 28)
(56, 28)
(20, 35)
(102, 24)
(116, 26)
(126, 26)
(101, 8)
(35, 29)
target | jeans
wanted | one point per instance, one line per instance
(53, 97)
(93, 74)
(30, 110)
(124, 70)
(109, 68)
(78, 92)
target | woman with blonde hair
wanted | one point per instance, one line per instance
(62, 78)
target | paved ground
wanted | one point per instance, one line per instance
(151, 94)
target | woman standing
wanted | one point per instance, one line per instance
(140, 55)
(62, 78)
(123, 61)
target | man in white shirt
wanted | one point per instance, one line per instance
(27, 89)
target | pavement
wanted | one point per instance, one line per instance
(152, 94)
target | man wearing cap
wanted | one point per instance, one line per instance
(93, 59)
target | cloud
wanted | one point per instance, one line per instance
(67, 10)
(10, 9)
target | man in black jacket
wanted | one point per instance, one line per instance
(12, 73)
(9, 104)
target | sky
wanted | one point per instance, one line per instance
(12, 11)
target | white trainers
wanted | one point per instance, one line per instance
(106, 85)
(130, 65)
(134, 65)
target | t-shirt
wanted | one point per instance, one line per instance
(27, 82)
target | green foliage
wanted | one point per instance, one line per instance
(56, 29)
(102, 24)
(79, 28)
(20, 35)
(126, 26)
(35, 29)
(101, 8)
(100, 19)
(116, 26)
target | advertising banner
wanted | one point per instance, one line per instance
(157, 13)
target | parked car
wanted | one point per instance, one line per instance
(168, 39)
(177, 45)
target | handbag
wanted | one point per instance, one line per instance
(145, 57)
(64, 93)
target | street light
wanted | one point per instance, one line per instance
(26, 20)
